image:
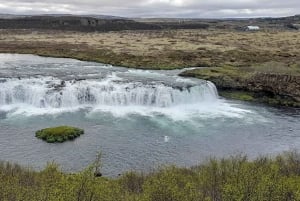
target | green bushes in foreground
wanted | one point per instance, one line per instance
(59, 134)
(233, 179)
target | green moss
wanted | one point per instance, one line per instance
(259, 97)
(59, 134)
(238, 95)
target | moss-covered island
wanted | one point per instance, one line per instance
(59, 134)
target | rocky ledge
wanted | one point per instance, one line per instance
(245, 84)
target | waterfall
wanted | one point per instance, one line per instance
(49, 92)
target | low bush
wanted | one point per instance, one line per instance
(233, 179)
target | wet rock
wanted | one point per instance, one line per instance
(98, 174)
(79, 79)
(57, 87)
(42, 103)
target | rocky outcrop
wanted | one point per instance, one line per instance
(74, 23)
(276, 89)
(282, 85)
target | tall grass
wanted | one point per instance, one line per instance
(236, 178)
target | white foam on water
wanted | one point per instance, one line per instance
(184, 112)
(147, 73)
(28, 110)
(118, 96)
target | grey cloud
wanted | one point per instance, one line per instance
(156, 8)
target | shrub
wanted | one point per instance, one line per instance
(233, 179)
(59, 134)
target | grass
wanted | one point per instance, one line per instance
(232, 179)
(59, 134)
(165, 49)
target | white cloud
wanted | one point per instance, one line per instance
(176, 3)
(156, 8)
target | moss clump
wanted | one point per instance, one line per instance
(238, 95)
(272, 100)
(59, 134)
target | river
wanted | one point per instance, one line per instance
(138, 119)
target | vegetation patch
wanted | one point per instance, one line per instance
(59, 134)
(156, 49)
(238, 95)
(231, 179)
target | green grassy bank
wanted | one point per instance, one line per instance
(237, 178)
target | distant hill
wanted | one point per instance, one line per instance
(290, 22)
(10, 16)
(89, 23)
(73, 23)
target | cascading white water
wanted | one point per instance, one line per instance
(48, 92)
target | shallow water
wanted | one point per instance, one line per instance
(138, 119)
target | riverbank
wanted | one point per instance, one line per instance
(254, 58)
(225, 179)
(265, 84)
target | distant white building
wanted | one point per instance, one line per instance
(252, 28)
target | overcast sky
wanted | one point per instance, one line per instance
(156, 8)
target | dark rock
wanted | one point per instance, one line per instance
(98, 174)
